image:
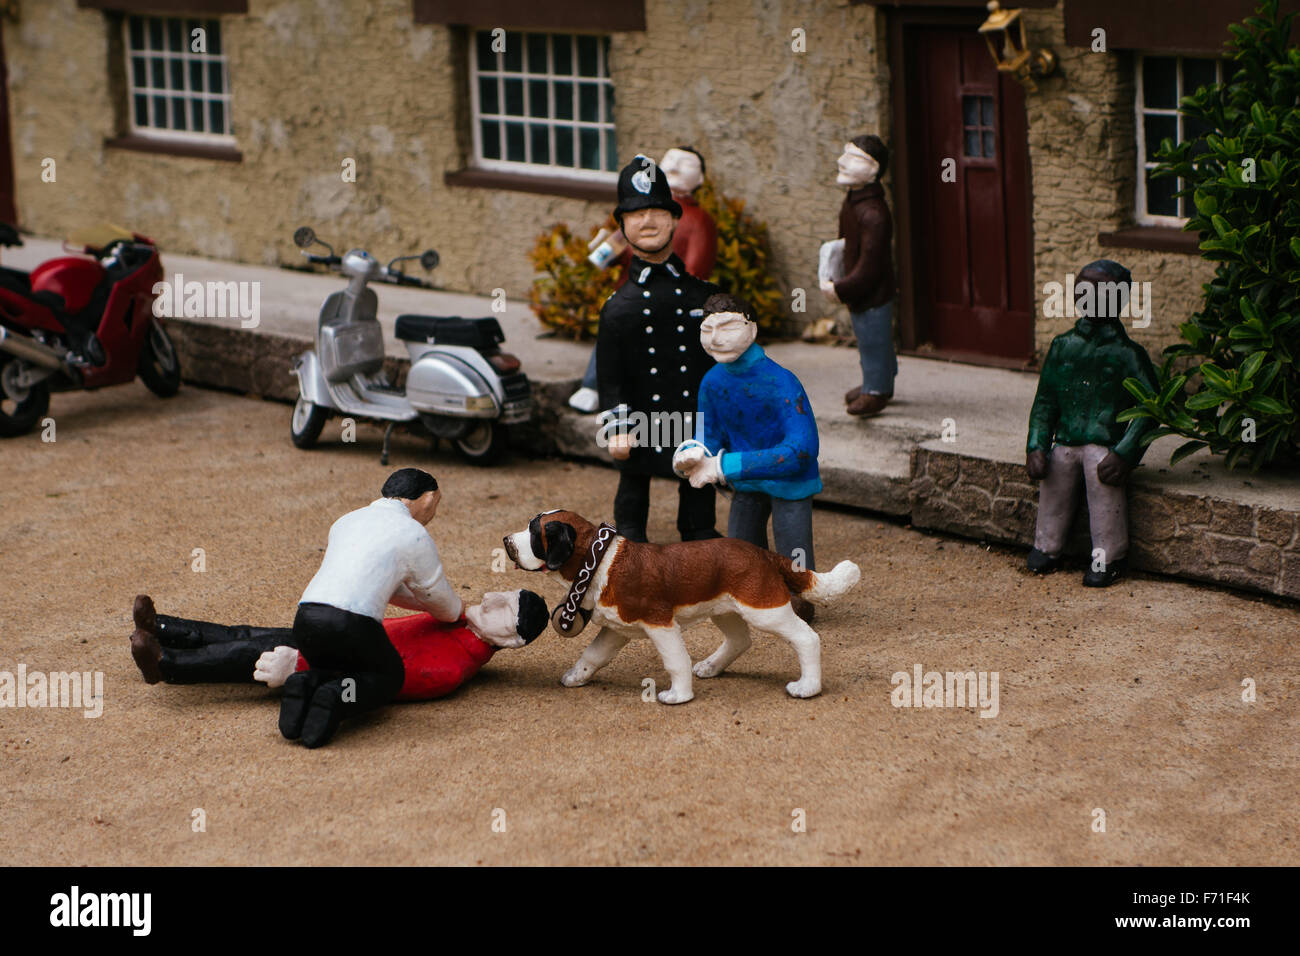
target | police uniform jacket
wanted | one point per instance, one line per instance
(649, 357)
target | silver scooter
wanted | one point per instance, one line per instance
(460, 386)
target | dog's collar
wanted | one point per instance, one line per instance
(570, 617)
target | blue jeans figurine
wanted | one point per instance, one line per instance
(874, 329)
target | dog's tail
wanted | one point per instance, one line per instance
(820, 588)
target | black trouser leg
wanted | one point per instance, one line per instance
(696, 511)
(340, 646)
(184, 632)
(216, 663)
(632, 505)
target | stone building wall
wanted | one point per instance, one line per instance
(1083, 161)
(312, 83)
(315, 81)
(770, 122)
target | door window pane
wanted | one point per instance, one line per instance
(977, 118)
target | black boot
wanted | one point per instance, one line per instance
(298, 691)
(323, 716)
(1042, 563)
(1105, 578)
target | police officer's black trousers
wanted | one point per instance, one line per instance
(696, 508)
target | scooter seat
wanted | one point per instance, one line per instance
(483, 334)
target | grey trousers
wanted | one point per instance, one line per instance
(791, 524)
(1058, 497)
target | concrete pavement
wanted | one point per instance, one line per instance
(948, 453)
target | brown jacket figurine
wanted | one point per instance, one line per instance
(863, 279)
(866, 228)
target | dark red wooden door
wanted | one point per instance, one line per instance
(7, 212)
(970, 193)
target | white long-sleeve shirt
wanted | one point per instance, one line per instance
(379, 555)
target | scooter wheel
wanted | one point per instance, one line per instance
(308, 419)
(485, 444)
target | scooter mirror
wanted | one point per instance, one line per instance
(429, 259)
(304, 236)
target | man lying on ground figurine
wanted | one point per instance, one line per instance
(437, 657)
(376, 556)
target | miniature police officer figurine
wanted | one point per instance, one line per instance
(695, 240)
(1074, 437)
(649, 357)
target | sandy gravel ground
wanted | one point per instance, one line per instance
(1127, 701)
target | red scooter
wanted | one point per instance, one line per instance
(81, 321)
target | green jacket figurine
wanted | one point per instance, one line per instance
(1081, 391)
(1073, 427)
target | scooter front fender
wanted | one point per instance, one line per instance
(311, 380)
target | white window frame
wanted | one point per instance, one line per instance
(191, 96)
(605, 124)
(1141, 111)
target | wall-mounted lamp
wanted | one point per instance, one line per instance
(1004, 32)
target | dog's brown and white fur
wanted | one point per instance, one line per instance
(657, 590)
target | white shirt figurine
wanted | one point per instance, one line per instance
(380, 555)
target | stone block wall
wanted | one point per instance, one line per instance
(1194, 536)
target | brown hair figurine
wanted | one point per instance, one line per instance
(857, 270)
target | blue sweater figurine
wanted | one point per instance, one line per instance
(755, 432)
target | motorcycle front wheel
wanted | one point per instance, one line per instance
(484, 444)
(17, 416)
(159, 368)
(307, 421)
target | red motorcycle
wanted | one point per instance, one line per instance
(81, 321)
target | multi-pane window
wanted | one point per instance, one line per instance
(1161, 82)
(177, 78)
(543, 102)
(978, 127)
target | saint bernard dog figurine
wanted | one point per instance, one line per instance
(629, 589)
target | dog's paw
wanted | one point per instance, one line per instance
(804, 688)
(707, 668)
(674, 696)
(577, 675)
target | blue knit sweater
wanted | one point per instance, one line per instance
(759, 413)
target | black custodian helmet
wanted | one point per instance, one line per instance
(642, 185)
